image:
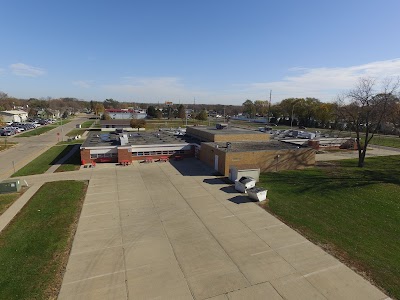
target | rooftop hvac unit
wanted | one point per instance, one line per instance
(244, 183)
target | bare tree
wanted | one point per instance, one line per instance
(365, 110)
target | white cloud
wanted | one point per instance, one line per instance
(152, 88)
(21, 69)
(322, 83)
(326, 83)
(85, 84)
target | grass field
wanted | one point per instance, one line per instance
(351, 211)
(36, 131)
(6, 200)
(75, 132)
(34, 247)
(43, 162)
(71, 164)
(87, 124)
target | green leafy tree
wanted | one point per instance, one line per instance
(261, 107)
(202, 115)
(249, 108)
(151, 111)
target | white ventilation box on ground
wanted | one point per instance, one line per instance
(244, 183)
(236, 172)
(258, 194)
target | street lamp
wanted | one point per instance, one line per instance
(291, 120)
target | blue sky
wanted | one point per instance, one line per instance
(216, 51)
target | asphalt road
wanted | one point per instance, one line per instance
(29, 148)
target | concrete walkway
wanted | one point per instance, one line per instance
(164, 231)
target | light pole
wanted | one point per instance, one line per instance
(291, 119)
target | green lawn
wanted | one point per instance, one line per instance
(71, 164)
(355, 212)
(34, 247)
(6, 200)
(75, 132)
(36, 131)
(87, 124)
(388, 141)
(43, 162)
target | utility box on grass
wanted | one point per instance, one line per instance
(244, 183)
(10, 186)
(258, 194)
(236, 172)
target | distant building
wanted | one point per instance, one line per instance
(111, 125)
(122, 114)
(14, 115)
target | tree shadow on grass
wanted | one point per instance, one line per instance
(323, 181)
(62, 154)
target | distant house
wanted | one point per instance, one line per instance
(50, 113)
(123, 114)
(14, 115)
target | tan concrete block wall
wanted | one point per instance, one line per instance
(85, 156)
(222, 137)
(207, 155)
(268, 161)
(256, 137)
(202, 135)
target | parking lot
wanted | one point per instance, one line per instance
(171, 230)
(13, 128)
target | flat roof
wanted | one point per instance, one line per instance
(107, 139)
(226, 131)
(253, 146)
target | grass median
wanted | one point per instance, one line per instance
(6, 200)
(34, 247)
(44, 161)
(42, 129)
(353, 213)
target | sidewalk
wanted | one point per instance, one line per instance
(14, 209)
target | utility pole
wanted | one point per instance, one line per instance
(269, 105)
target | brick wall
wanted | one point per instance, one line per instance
(124, 155)
(248, 137)
(85, 156)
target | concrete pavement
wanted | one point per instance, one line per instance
(158, 231)
(28, 148)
